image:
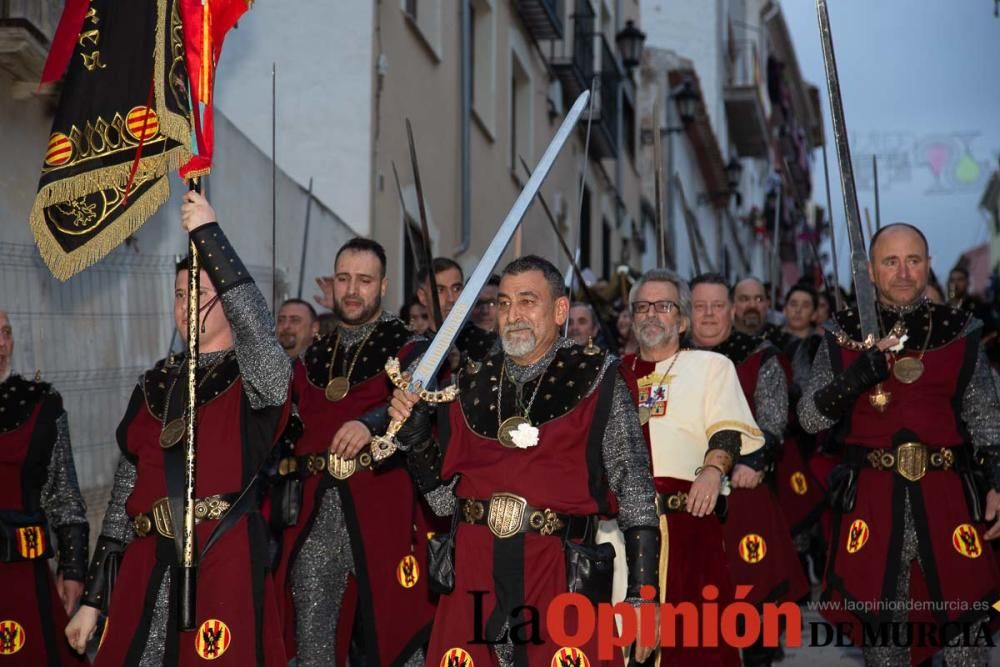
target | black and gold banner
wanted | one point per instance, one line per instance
(122, 124)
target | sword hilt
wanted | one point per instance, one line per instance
(384, 446)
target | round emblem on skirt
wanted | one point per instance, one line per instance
(60, 150)
(11, 637)
(753, 548)
(212, 640)
(857, 536)
(569, 657)
(799, 484)
(965, 539)
(457, 657)
(142, 123)
(408, 571)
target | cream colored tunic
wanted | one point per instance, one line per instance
(700, 397)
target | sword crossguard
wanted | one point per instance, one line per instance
(384, 446)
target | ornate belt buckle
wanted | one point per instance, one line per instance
(142, 525)
(546, 522)
(211, 508)
(338, 466)
(162, 518)
(911, 461)
(675, 500)
(506, 514)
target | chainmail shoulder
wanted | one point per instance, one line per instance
(626, 462)
(771, 397)
(61, 499)
(116, 523)
(981, 409)
(265, 367)
(820, 375)
(351, 336)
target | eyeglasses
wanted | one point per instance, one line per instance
(642, 307)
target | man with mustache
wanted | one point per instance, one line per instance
(758, 540)
(543, 439)
(751, 304)
(356, 529)
(699, 425)
(473, 342)
(38, 490)
(298, 325)
(913, 415)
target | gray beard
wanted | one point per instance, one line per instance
(518, 348)
(652, 336)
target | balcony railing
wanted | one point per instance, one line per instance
(26, 29)
(542, 18)
(745, 112)
(604, 136)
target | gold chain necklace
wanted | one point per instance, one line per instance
(909, 369)
(507, 426)
(338, 387)
(645, 412)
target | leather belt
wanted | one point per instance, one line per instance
(911, 460)
(672, 502)
(160, 519)
(316, 464)
(506, 515)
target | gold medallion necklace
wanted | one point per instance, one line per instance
(174, 430)
(338, 387)
(645, 411)
(909, 369)
(506, 427)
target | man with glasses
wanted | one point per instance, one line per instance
(758, 541)
(484, 315)
(698, 425)
(472, 342)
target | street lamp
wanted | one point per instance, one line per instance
(686, 99)
(630, 41)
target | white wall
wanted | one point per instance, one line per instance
(323, 52)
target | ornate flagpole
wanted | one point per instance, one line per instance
(188, 585)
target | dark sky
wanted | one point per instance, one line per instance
(921, 88)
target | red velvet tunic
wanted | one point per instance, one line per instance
(386, 520)
(865, 543)
(237, 612)
(32, 620)
(563, 473)
(758, 542)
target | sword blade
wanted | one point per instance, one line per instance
(838, 299)
(864, 290)
(427, 369)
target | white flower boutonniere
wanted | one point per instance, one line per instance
(524, 436)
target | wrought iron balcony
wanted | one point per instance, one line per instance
(604, 134)
(573, 59)
(542, 18)
(745, 113)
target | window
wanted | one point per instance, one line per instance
(520, 114)
(483, 62)
(628, 125)
(424, 16)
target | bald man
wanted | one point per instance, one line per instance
(911, 414)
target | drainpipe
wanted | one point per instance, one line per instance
(465, 87)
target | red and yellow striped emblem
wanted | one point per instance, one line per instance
(569, 657)
(457, 657)
(30, 542)
(857, 536)
(799, 484)
(752, 548)
(408, 571)
(212, 639)
(142, 123)
(60, 150)
(11, 637)
(965, 539)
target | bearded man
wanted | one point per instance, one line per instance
(543, 440)
(360, 539)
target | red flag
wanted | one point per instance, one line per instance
(206, 23)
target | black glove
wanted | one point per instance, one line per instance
(376, 419)
(835, 399)
(73, 542)
(642, 553)
(416, 430)
(103, 572)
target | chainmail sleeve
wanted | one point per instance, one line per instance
(61, 499)
(117, 524)
(116, 533)
(820, 375)
(265, 367)
(626, 462)
(771, 398)
(981, 415)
